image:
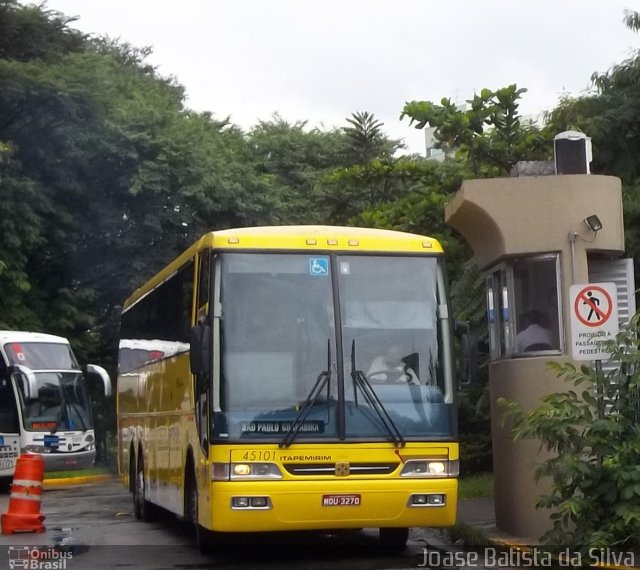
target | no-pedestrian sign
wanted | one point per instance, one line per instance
(594, 319)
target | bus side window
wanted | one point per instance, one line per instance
(202, 314)
(204, 275)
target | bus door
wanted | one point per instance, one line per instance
(203, 378)
(9, 427)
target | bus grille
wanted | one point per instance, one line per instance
(314, 469)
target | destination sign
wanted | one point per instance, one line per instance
(280, 427)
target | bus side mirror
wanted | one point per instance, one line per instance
(200, 357)
(29, 382)
(468, 354)
(103, 375)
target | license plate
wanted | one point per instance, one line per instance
(6, 463)
(340, 500)
(51, 441)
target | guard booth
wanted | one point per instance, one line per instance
(536, 237)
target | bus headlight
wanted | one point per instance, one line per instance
(243, 471)
(37, 449)
(255, 471)
(430, 468)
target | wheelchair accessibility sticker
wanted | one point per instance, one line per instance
(319, 266)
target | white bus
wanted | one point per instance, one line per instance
(45, 407)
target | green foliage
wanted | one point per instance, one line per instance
(368, 176)
(97, 473)
(592, 436)
(487, 132)
(475, 486)
(32, 32)
(632, 20)
(468, 299)
(468, 295)
(345, 193)
(366, 141)
(291, 160)
(474, 421)
(24, 208)
(610, 114)
(99, 163)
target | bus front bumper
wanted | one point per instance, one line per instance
(317, 505)
(65, 461)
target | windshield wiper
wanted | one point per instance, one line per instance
(78, 407)
(78, 410)
(360, 381)
(323, 380)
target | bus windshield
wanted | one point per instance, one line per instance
(279, 343)
(392, 341)
(41, 355)
(62, 403)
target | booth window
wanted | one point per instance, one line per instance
(523, 307)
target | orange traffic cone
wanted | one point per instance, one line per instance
(26, 491)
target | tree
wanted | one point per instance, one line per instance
(114, 168)
(291, 159)
(610, 115)
(365, 140)
(31, 32)
(346, 192)
(632, 20)
(488, 132)
(486, 137)
(370, 175)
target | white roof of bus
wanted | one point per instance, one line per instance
(166, 346)
(24, 336)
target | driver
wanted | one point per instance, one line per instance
(48, 401)
(389, 368)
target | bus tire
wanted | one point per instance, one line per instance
(394, 538)
(142, 509)
(204, 538)
(5, 484)
(132, 471)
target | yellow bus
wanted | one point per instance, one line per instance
(292, 378)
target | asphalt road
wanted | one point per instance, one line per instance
(93, 527)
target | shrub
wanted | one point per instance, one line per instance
(592, 435)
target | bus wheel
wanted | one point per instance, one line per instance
(5, 484)
(394, 538)
(203, 537)
(132, 472)
(142, 509)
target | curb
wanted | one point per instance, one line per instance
(83, 480)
